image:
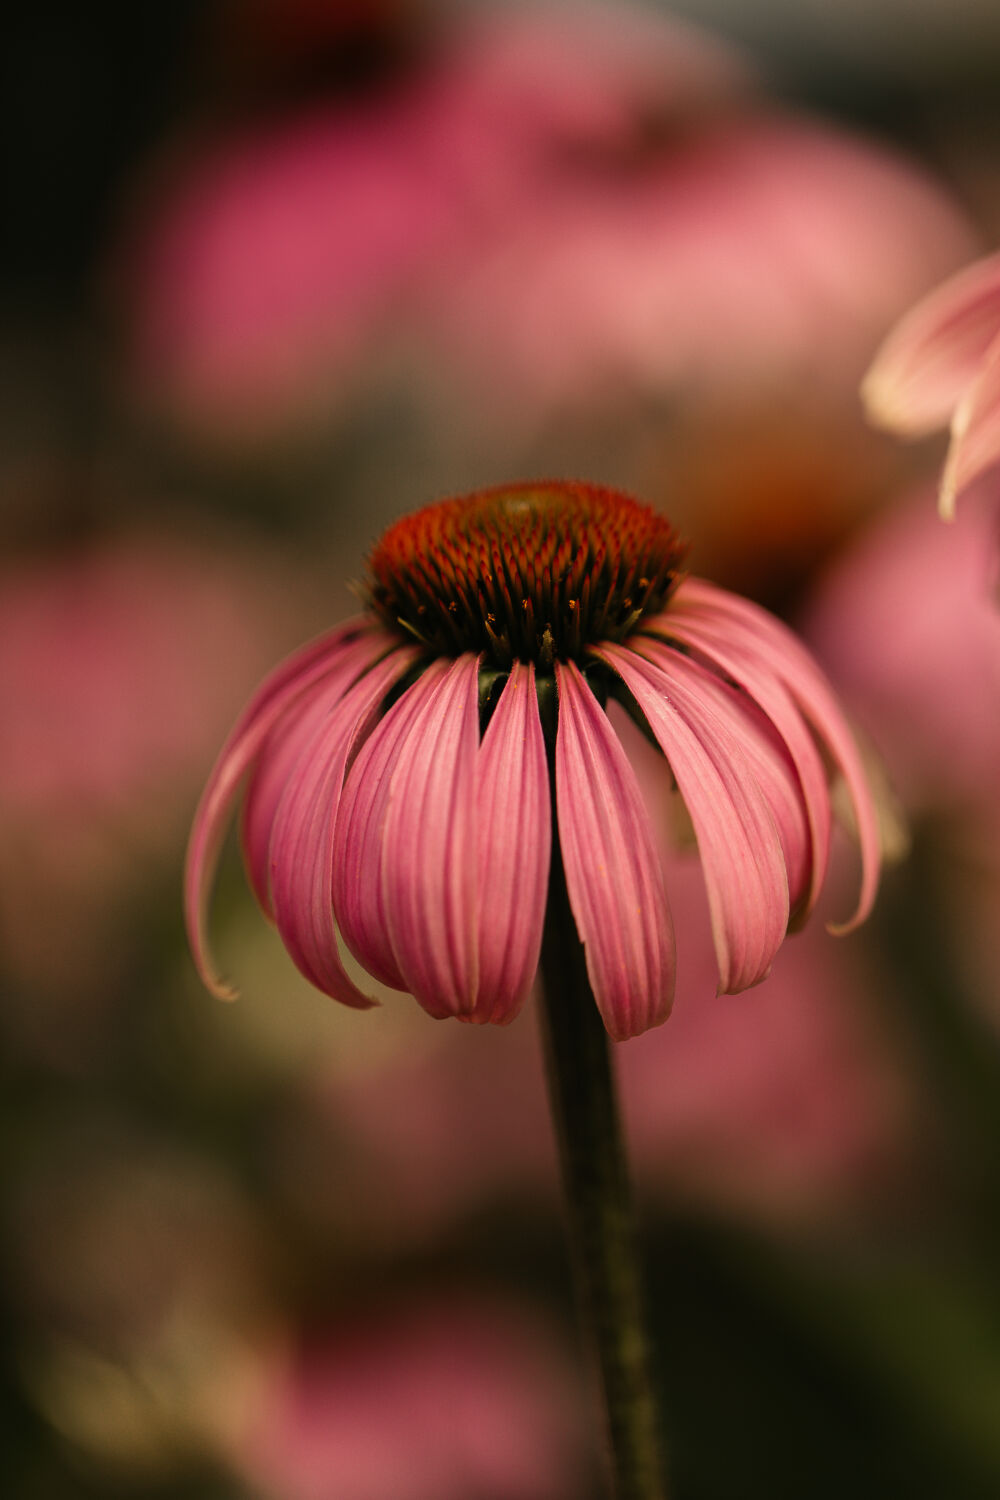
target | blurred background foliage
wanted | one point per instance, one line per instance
(273, 273)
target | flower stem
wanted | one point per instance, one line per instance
(595, 1180)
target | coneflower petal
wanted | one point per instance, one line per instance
(931, 357)
(769, 762)
(358, 845)
(288, 739)
(713, 643)
(345, 651)
(768, 639)
(301, 844)
(613, 872)
(738, 840)
(428, 873)
(514, 845)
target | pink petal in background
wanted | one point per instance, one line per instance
(933, 354)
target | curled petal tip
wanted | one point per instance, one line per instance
(951, 477)
(860, 914)
(887, 401)
(850, 924)
(217, 986)
(875, 393)
(214, 982)
(946, 499)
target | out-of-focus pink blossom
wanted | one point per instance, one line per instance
(119, 665)
(458, 1400)
(283, 262)
(558, 206)
(751, 247)
(99, 661)
(940, 366)
(296, 254)
(908, 628)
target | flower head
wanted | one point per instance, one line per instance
(401, 767)
(940, 366)
(526, 573)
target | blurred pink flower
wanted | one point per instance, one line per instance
(429, 848)
(560, 206)
(749, 247)
(906, 624)
(93, 645)
(294, 256)
(940, 366)
(119, 666)
(460, 1400)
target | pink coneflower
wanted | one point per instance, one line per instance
(285, 262)
(400, 766)
(557, 208)
(940, 366)
(613, 283)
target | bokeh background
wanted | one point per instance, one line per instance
(273, 272)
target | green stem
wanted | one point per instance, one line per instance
(595, 1180)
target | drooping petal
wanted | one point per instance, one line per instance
(761, 634)
(514, 841)
(768, 759)
(429, 854)
(613, 873)
(716, 645)
(346, 651)
(301, 844)
(274, 764)
(741, 853)
(932, 356)
(405, 849)
(358, 836)
(975, 433)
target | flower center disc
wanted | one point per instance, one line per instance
(533, 571)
